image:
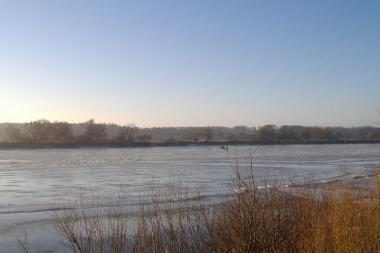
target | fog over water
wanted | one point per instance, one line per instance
(35, 182)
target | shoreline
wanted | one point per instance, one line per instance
(10, 145)
(361, 182)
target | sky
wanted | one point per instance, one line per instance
(191, 63)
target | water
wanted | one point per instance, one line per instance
(34, 182)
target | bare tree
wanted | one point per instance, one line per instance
(127, 134)
(94, 133)
(40, 131)
(14, 133)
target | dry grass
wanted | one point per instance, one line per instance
(347, 221)
(167, 223)
(248, 220)
(251, 220)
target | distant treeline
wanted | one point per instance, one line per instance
(92, 133)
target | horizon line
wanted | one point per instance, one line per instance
(375, 124)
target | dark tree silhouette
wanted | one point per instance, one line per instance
(127, 134)
(207, 134)
(94, 133)
(144, 138)
(40, 131)
(62, 132)
(265, 133)
(14, 134)
(287, 134)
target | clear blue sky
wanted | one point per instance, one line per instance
(180, 63)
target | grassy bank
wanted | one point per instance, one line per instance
(248, 220)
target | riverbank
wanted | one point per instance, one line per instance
(364, 181)
(301, 220)
(10, 145)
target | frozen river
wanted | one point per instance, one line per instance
(34, 182)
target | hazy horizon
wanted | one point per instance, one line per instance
(375, 124)
(191, 63)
